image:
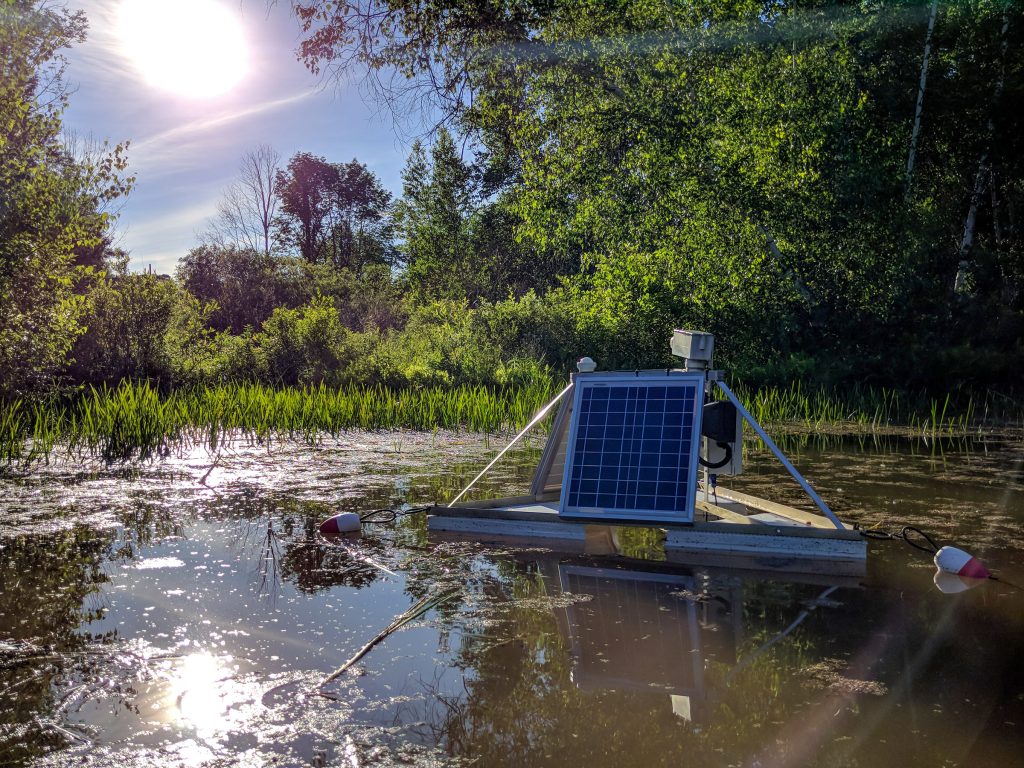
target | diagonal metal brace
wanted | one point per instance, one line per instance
(781, 456)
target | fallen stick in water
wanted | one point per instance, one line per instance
(216, 461)
(364, 558)
(414, 612)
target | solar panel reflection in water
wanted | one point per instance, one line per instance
(633, 447)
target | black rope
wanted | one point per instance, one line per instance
(390, 514)
(993, 577)
(903, 534)
(932, 547)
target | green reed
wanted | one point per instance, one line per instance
(879, 410)
(135, 420)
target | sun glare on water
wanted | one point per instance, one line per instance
(204, 695)
(194, 48)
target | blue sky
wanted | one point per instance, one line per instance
(185, 151)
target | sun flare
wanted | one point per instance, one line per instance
(194, 48)
(205, 696)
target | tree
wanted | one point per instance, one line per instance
(336, 214)
(126, 317)
(245, 284)
(101, 253)
(306, 189)
(307, 345)
(742, 166)
(360, 223)
(247, 213)
(420, 58)
(433, 223)
(50, 204)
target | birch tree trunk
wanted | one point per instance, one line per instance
(983, 174)
(787, 271)
(920, 99)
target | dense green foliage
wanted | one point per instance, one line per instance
(743, 167)
(51, 203)
(334, 213)
(612, 170)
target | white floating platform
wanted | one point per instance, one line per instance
(768, 539)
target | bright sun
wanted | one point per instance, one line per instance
(194, 48)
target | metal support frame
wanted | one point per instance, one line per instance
(780, 456)
(533, 422)
(559, 434)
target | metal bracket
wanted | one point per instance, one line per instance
(780, 456)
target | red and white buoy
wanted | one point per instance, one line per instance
(345, 522)
(951, 584)
(960, 563)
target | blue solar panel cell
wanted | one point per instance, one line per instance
(632, 449)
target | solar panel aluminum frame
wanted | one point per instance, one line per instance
(683, 513)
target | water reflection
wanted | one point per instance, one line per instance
(707, 666)
(639, 631)
(197, 695)
(316, 565)
(188, 623)
(952, 584)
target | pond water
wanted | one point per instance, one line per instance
(185, 613)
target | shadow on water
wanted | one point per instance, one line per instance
(185, 616)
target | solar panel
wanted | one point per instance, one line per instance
(633, 446)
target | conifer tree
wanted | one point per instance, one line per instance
(434, 223)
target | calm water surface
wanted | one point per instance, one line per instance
(175, 614)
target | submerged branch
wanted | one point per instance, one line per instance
(414, 612)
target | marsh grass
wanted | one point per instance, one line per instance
(135, 421)
(877, 411)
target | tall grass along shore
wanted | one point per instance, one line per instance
(136, 421)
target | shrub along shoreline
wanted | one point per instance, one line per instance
(135, 421)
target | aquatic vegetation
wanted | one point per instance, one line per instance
(137, 421)
(879, 410)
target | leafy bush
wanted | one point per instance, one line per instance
(302, 346)
(126, 318)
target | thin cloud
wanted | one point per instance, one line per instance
(101, 53)
(162, 240)
(206, 124)
(174, 220)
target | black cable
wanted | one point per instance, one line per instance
(717, 464)
(931, 549)
(1007, 583)
(880, 535)
(389, 514)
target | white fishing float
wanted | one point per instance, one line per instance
(960, 563)
(345, 522)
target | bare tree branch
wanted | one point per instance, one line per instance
(246, 213)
